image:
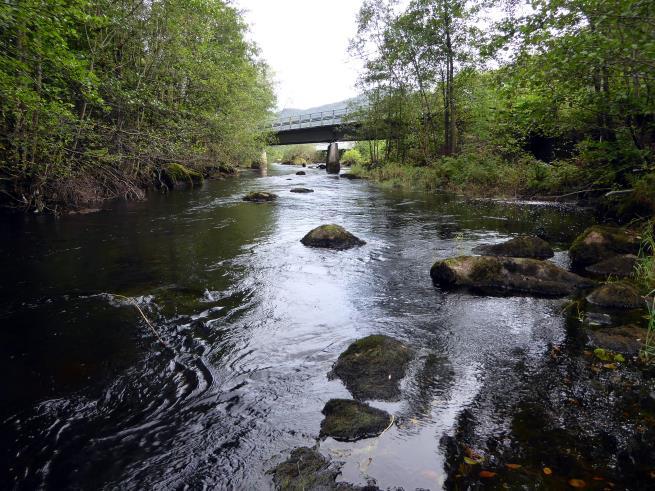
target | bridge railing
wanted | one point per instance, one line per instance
(311, 120)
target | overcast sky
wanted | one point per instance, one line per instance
(306, 44)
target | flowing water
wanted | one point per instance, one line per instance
(253, 322)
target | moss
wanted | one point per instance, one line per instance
(600, 242)
(486, 270)
(178, 174)
(347, 420)
(332, 237)
(372, 367)
(521, 246)
(304, 469)
(618, 295)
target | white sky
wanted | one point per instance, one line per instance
(305, 42)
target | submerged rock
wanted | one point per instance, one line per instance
(305, 469)
(347, 420)
(521, 246)
(260, 196)
(507, 275)
(600, 242)
(626, 340)
(372, 367)
(619, 295)
(301, 173)
(332, 237)
(302, 190)
(621, 266)
(321, 166)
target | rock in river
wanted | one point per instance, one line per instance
(331, 237)
(302, 190)
(618, 295)
(626, 340)
(621, 266)
(601, 242)
(521, 246)
(347, 420)
(301, 173)
(260, 196)
(372, 367)
(507, 275)
(307, 470)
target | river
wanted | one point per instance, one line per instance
(253, 321)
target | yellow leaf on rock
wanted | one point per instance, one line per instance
(513, 466)
(548, 471)
(577, 483)
(487, 474)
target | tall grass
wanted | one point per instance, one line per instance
(645, 276)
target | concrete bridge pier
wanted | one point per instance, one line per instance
(261, 163)
(332, 163)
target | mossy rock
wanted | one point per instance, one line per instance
(372, 367)
(348, 421)
(307, 470)
(618, 295)
(600, 242)
(622, 266)
(626, 340)
(176, 175)
(521, 246)
(302, 190)
(331, 237)
(259, 197)
(507, 275)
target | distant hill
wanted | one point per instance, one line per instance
(286, 112)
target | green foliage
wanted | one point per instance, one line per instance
(97, 95)
(297, 154)
(352, 157)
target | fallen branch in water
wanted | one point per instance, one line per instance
(150, 324)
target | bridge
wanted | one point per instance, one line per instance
(317, 127)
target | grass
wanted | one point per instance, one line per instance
(645, 277)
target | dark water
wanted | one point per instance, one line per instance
(254, 321)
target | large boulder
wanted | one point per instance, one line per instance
(621, 266)
(626, 340)
(507, 275)
(600, 242)
(372, 367)
(618, 295)
(259, 197)
(331, 237)
(348, 421)
(521, 246)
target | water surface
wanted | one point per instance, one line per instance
(253, 321)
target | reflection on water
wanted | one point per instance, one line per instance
(254, 321)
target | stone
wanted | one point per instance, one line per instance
(350, 176)
(260, 197)
(331, 237)
(507, 275)
(307, 470)
(348, 421)
(301, 173)
(622, 266)
(321, 166)
(521, 246)
(600, 242)
(372, 367)
(302, 190)
(618, 295)
(626, 340)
